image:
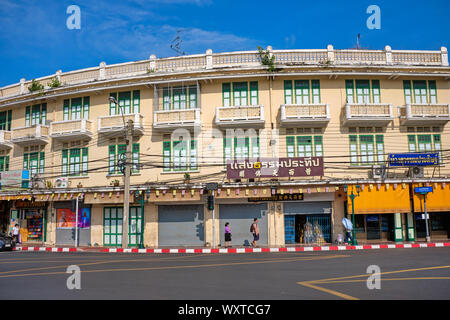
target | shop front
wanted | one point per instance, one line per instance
(66, 222)
(32, 218)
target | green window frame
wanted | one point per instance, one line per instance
(255, 147)
(420, 91)
(411, 143)
(112, 105)
(227, 150)
(166, 99)
(349, 89)
(193, 155)
(112, 159)
(64, 162)
(34, 162)
(241, 148)
(407, 91)
(179, 98)
(76, 108)
(437, 144)
(290, 146)
(86, 102)
(318, 146)
(288, 96)
(304, 146)
(112, 226)
(424, 143)
(135, 226)
(376, 93)
(136, 101)
(362, 91)
(124, 102)
(226, 94)
(367, 150)
(36, 114)
(315, 91)
(66, 108)
(240, 93)
(301, 91)
(254, 99)
(433, 91)
(135, 156)
(180, 154)
(353, 141)
(74, 161)
(379, 141)
(167, 156)
(4, 163)
(27, 116)
(5, 120)
(192, 97)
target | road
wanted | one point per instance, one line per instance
(422, 273)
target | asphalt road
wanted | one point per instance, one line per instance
(422, 273)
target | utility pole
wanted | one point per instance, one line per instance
(126, 195)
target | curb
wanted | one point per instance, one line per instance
(240, 250)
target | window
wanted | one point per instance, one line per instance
(353, 149)
(5, 120)
(34, 162)
(302, 91)
(370, 149)
(366, 149)
(315, 91)
(4, 163)
(303, 94)
(363, 91)
(425, 143)
(420, 92)
(241, 96)
(115, 151)
(180, 98)
(379, 139)
(112, 222)
(76, 108)
(129, 102)
(288, 92)
(75, 161)
(36, 114)
(180, 155)
(307, 146)
(240, 148)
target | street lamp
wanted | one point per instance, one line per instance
(352, 197)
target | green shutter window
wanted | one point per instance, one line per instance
(86, 101)
(288, 92)
(411, 143)
(424, 142)
(3, 121)
(318, 146)
(227, 150)
(407, 91)
(33, 163)
(2, 164)
(84, 168)
(74, 162)
(136, 101)
(27, 116)
(7, 163)
(315, 91)
(432, 90)
(179, 98)
(44, 114)
(353, 149)
(76, 105)
(179, 155)
(290, 146)
(41, 162)
(25, 161)
(166, 98)
(112, 159)
(166, 155)
(438, 146)
(193, 152)
(9, 120)
(349, 90)
(362, 91)
(379, 139)
(112, 226)
(135, 151)
(35, 114)
(240, 90)
(304, 146)
(124, 102)
(255, 147)
(65, 162)
(254, 93)
(193, 97)
(112, 105)
(241, 148)
(420, 91)
(66, 107)
(366, 149)
(302, 91)
(226, 94)
(376, 91)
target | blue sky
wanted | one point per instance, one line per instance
(34, 39)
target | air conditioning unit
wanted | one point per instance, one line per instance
(37, 182)
(62, 182)
(378, 172)
(416, 172)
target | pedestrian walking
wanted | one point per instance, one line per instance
(15, 233)
(227, 235)
(254, 229)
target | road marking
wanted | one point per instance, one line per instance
(333, 292)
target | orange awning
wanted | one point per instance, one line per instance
(438, 200)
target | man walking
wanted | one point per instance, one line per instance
(255, 230)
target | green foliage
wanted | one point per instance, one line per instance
(35, 86)
(54, 83)
(266, 59)
(187, 176)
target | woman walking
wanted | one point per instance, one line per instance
(227, 235)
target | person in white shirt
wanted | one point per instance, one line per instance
(16, 233)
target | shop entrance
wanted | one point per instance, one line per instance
(312, 228)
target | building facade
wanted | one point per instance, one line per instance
(191, 114)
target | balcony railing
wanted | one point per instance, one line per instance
(117, 124)
(241, 115)
(5, 139)
(35, 134)
(296, 114)
(243, 59)
(185, 118)
(71, 129)
(380, 114)
(428, 113)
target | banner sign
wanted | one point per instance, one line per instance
(423, 190)
(14, 177)
(413, 159)
(279, 197)
(275, 167)
(65, 218)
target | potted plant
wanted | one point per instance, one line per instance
(187, 178)
(115, 183)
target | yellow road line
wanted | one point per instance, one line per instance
(333, 292)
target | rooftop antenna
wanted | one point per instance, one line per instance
(177, 45)
(358, 47)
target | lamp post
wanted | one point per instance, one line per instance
(352, 197)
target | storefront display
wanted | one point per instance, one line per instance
(32, 220)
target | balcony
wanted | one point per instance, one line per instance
(416, 114)
(36, 134)
(5, 139)
(304, 115)
(242, 116)
(172, 119)
(71, 130)
(116, 125)
(377, 114)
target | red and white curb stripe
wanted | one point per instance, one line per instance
(241, 250)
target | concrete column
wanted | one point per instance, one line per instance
(152, 63)
(102, 75)
(22, 86)
(330, 53)
(150, 225)
(388, 51)
(51, 225)
(97, 225)
(209, 59)
(58, 75)
(208, 226)
(444, 56)
(337, 215)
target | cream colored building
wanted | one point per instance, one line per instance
(192, 113)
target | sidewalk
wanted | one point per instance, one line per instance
(238, 249)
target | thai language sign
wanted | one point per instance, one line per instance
(14, 177)
(413, 159)
(275, 167)
(279, 197)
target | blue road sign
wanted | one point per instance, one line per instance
(423, 190)
(413, 159)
